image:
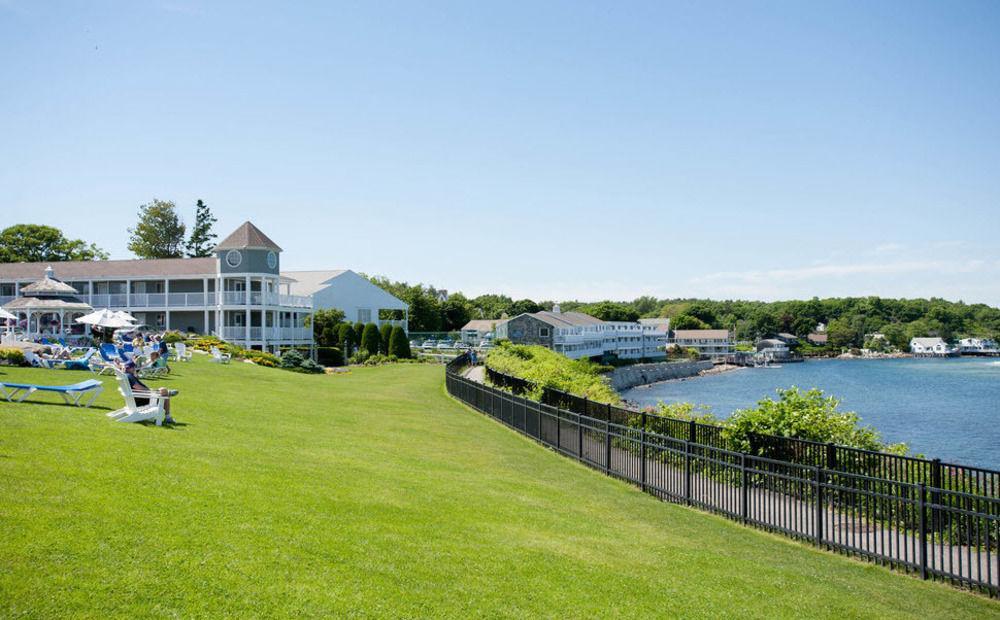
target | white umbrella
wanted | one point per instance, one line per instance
(126, 316)
(6, 315)
(104, 318)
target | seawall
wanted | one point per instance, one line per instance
(640, 374)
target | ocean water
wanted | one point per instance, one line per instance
(943, 408)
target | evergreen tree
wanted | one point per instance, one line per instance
(346, 339)
(385, 332)
(359, 331)
(159, 233)
(370, 339)
(202, 239)
(398, 344)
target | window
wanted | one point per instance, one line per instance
(234, 258)
(365, 315)
(543, 332)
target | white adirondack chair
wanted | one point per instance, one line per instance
(133, 413)
(183, 355)
(220, 357)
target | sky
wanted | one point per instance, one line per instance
(551, 150)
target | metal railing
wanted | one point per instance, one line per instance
(934, 531)
(257, 334)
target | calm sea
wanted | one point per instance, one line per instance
(944, 408)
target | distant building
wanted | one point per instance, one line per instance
(789, 339)
(352, 294)
(478, 330)
(977, 346)
(819, 339)
(708, 342)
(774, 348)
(577, 335)
(930, 347)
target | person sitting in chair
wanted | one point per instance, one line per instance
(139, 389)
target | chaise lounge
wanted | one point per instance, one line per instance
(72, 394)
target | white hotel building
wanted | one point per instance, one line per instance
(239, 294)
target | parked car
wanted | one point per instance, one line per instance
(445, 344)
(428, 344)
(485, 344)
(462, 346)
(414, 344)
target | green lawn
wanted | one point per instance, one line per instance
(373, 494)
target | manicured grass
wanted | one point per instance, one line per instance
(373, 494)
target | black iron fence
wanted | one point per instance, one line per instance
(932, 472)
(892, 510)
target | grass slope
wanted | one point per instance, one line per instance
(373, 494)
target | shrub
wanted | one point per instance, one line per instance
(309, 366)
(399, 346)
(329, 356)
(360, 357)
(346, 339)
(370, 340)
(806, 415)
(172, 337)
(359, 330)
(263, 358)
(291, 359)
(385, 333)
(548, 369)
(12, 357)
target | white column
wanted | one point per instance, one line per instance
(128, 294)
(246, 309)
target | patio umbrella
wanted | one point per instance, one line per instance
(6, 316)
(104, 318)
(126, 316)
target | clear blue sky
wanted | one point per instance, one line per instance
(543, 149)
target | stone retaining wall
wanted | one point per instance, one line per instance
(640, 374)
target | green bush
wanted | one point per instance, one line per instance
(359, 330)
(346, 339)
(399, 346)
(172, 337)
(309, 366)
(262, 358)
(329, 356)
(370, 339)
(548, 369)
(360, 357)
(805, 415)
(12, 357)
(291, 359)
(385, 333)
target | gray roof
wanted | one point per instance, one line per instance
(562, 319)
(247, 236)
(308, 282)
(704, 334)
(109, 269)
(48, 286)
(66, 303)
(483, 325)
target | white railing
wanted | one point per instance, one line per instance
(189, 300)
(257, 334)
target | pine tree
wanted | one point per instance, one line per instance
(398, 344)
(370, 339)
(385, 332)
(346, 338)
(202, 239)
(159, 233)
(359, 331)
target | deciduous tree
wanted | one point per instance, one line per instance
(159, 232)
(35, 243)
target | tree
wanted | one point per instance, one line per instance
(384, 332)
(610, 311)
(345, 338)
(399, 346)
(326, 326)
(370, 339)
(202, 239)
(34, 243)
(842, 334)
(686, 321)
(359, 331)
(159, 233)
(455, 312)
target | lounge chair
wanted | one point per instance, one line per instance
(132, 412)
(37, 360)
(72, 394)
(220, 357)
(80, 363)
(156, 369)
(180, 349)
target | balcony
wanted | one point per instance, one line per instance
(192, 300)
(272, 334)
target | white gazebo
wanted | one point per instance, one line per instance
(47, 307)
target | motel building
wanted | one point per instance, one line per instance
(238, 294)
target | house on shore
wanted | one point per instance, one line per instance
(978, 346)
(708, 342)
(352, 294)
(773, 348)
(820, 339)
(478, 330)
(931, 347)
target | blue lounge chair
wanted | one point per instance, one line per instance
(82, 363)
(72, 394)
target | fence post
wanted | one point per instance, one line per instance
(579, 436)
(558, 429)
(744, 489)
(642, 454)
(831, 456)
(687, 473)
(936, 524)
(691, 430)
(820, 508)
(922, 489)
(607, 441)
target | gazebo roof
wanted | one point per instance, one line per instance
(49, 286)
(48, 304)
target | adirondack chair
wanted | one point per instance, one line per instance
(220, 357)
(134, 413)
(71, 394)
(180, 349)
